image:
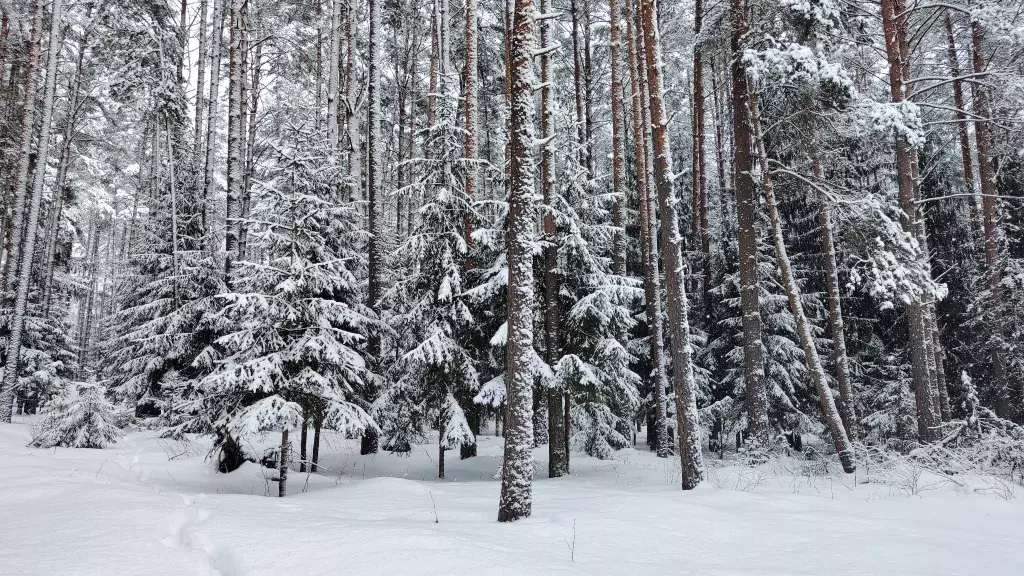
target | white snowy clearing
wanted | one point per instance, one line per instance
(155, 507)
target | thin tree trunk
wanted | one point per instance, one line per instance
(960, 115)
(1007, 405)
(817, 371)
(440, 448)
(250, 148)
(699, 217)
(200, 81)
(557, 463)
(848, 405)
(317, 425)
(894, 29)
(687, 419)
(517, 469)
(27, 249)
(618, 142)
(20, 185)
(648, 235)
(282, 480)
(374, 171)
(470, 99)
(236, 158)
(212, 116)
(577, 77)
(746, 203)
(334, 76)
(303, 437)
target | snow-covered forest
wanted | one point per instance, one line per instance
(713, 246)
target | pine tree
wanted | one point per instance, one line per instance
(293, 332)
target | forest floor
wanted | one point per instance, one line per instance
(156, 507)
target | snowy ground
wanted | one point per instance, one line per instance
(154, 507)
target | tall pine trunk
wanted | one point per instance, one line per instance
(19, 187)
(212, 115)
(746, 204)
(687, 419)
(648, 237)
(517, 468)
(27, 249)
(699, 205)
(618, 141)
(558, 464)
(894, 30)
(236, 135)
(1008, 401)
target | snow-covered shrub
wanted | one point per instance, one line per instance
(81, 417)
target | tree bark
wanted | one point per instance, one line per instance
(212, 116)
(894, 29)
(200, 82)
(687, 419)
(20, 184)
(302, 444)
(557, 453)
(282, 480)
(746, 203)
(699, 213)
(648, 236)
(470, 99)
(27, 249)
(618, 142)
(517, 468)
(236, 159)
(829, 410)
(374, 172)
(1006, 405)
(848, 405)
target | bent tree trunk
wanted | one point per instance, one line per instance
(848, 407)
(828, 404)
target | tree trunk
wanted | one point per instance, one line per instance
(250, 148)
(374, 175)
(848, 405)
(828, 404)
(20, 185)
(236, 159)
(687, 419)
(302, 443)
(618, 142)
(960, 115)
(282, 480)
(1007, 405)
(440, 447)
(894, 29)
(317, 425)
(557, 462)
(517, 469)
(212, 116)
(699, 213)
(200, 82)
(27, 249)
(648, 238)
(577, 77)
(470, 83)
(746, 204)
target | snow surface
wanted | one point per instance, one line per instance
(153, 506)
